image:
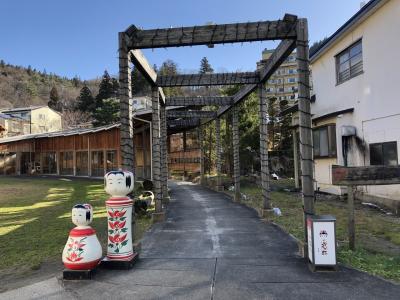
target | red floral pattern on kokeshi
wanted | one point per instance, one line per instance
(119, 214)
(77, 255)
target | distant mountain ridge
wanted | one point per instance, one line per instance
(20, 86)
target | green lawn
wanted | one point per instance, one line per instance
(377, 235)
(35, 217)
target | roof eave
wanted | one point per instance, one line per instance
(354, 21)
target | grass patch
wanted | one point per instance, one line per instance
(377, 235)
(35, 217)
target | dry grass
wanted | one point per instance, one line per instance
(35, 217)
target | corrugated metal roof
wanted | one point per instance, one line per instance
(76, 131)
(8, 117)
(21, 108)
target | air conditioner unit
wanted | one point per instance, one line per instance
(348, 130)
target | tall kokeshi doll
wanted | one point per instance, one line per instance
(119, 184)
(83, 250)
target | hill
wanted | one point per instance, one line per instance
(21, 86)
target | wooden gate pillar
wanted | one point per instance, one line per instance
(218, 146)
(236, 159)
(306, 145)
(156, 155)
(296, 159)
(164, 155)
(263, 111)
(125, 95)
(201, 144)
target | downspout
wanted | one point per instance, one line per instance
(151, 146)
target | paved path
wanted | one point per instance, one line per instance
(211, 248)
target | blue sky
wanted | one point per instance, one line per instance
(79, 37)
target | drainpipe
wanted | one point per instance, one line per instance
(151, 146)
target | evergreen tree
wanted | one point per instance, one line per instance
(285, 142)
(29, 70)
(169, 67)
(75, 81)
(106, 89)
(205, 67)
(2, 63)
(115, 85)
(108, 113)
(85, 100)
(54, 102)
(140, 86)
(272, 123)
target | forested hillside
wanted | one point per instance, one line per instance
(21, 87)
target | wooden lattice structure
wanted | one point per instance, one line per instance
(293, 33)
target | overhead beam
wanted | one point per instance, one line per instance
(278, 56)
(213, 34)
(198, 101)
(203, 114)
(208, 79)
(141, 63)
(183, 123)
(276, 59)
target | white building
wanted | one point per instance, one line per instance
(356, 108)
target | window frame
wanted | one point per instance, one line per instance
(337, 62)
(383, 154)
(331, 139)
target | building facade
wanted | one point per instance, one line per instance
(356, 112)
(13, 125)
(38, 119)
(283, 83)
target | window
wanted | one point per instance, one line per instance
(49, 163)
(324, 138)
(292, 71)
(281, 90)
(82, 163)
(383, 154)
(291, 80)
(66, 163)
(97, 161)
(269, 90)
(349, 63)
(111, 161)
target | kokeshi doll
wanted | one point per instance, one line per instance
(83, 250)
(119, 184)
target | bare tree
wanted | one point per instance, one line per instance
(76, 118)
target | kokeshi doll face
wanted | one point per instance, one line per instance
(82, 214)
(118, 183)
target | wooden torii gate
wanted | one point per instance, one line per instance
(294, 35)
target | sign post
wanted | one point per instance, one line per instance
(354, 176)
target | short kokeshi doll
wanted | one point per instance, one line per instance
(119, 212)
(83, 250)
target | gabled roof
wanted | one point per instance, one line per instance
(76, 131)
(364, 12)
(28, 108)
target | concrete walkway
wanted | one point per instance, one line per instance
(211, 248)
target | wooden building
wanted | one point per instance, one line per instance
(87, 152)
(77, 152)
(184, 153)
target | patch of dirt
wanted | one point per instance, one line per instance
(379, 245)
(14, 278)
